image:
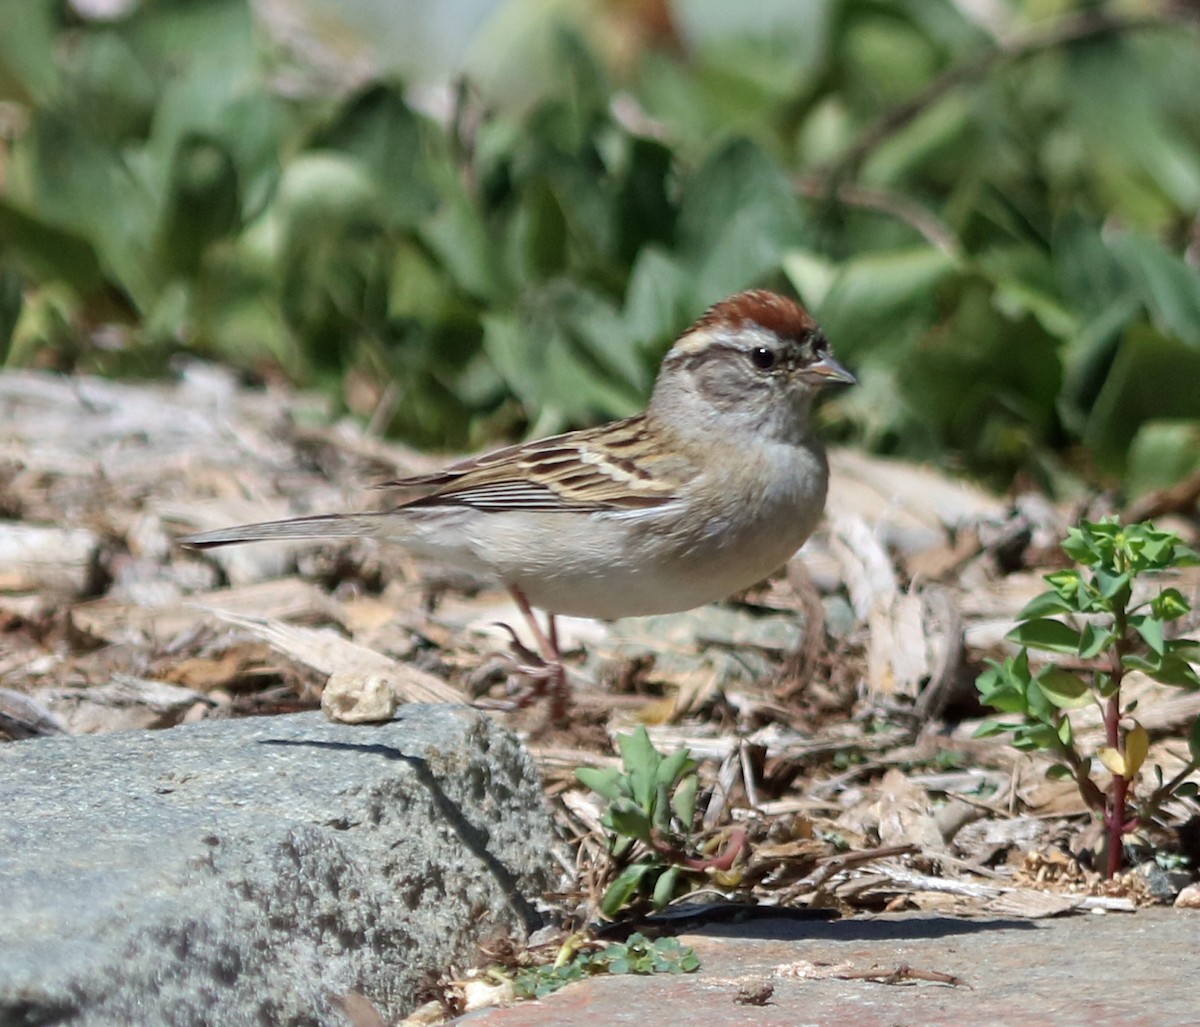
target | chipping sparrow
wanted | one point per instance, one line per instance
(714, 486)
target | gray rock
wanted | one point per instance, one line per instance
(1164, 884)
(251, 871)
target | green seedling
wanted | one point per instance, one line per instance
(1097, 629)
(650, 814)
(638, 955)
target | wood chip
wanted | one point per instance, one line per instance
(289, 599)
(326, 651)
(866, 567)
(63, 561)
(123, 703)
(26, 716)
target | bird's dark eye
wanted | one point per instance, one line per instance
(762, 358)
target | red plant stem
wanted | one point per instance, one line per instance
(1114, 817)
(737, 841)
(1115, 814)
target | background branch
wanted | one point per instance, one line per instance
(1075, 29)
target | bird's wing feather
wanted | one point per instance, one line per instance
(611, 467)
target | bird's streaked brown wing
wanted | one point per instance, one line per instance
(610, 467)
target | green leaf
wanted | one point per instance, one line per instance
(459, 238)
(390, 143)
(48, 253)
(655, 298)
(565, 355)
(661, 814)
(1040, 708)
(1037, 736)
(737, 216)
(1047, 634)
(811, 275)
(1168, 668)
(617, 897)
(12, 302)
(1065, 690)
(643, 212)
(1004, 686)
(1104, 685)
(1112, 585)
(991, 728)
(630, 819)
(1079, 545)
(872, 292)
(1162, 453)
(684, 800)
(621, 844)
(1185, 556)
(1151, 630)
(1059, 772)
(1045, 604)
(1168, 286)
(1142, 383)
(90, 190)
(202, 204)
(1094, 640)
(665, 887)
(674, 766)
(607, 782)
(615, 953)
(641, 761)
(28, 65)
(1170, 604)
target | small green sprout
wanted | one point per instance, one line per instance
(651, 808)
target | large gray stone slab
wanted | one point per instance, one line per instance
(249, 871)
(1110, 970)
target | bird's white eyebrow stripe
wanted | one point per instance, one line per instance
(694, 356)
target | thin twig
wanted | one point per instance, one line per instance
(1180, 498)
(850, 859)
(1075, 29)
(904, 972)
(927, 224)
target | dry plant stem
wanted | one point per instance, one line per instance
(1149, 808)
(904, 972)
(1092, 795)
(834, 864)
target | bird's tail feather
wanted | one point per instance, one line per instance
(323, 526)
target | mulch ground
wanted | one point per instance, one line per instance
(831, 709)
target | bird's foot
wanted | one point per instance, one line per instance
(547, 676)
(545, 667)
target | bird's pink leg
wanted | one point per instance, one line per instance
(552, 675)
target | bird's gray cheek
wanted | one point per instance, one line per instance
(720, 388)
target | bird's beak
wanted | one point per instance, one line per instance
(826, 371)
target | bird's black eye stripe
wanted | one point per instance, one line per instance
(762, 358)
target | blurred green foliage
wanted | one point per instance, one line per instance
(1001, 237)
